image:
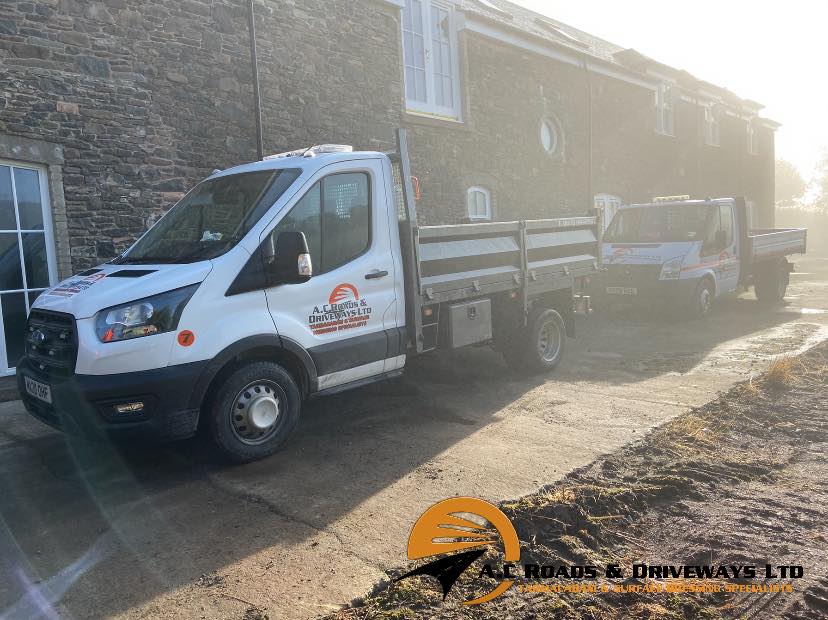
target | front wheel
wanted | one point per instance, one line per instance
(702, 300)
(254, 412)
(539, 346)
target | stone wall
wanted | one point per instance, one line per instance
(147, 97)
(498, 145)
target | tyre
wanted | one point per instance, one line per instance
(702, 300)
(254, 412)
(539, 346)
(771, 282)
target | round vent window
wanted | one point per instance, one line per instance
(548, 136)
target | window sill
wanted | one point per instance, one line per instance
(658, 132)
(432, 120)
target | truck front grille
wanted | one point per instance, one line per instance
(632, 275)
(51, 343)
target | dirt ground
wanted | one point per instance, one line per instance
(91, 530)
(740, 481)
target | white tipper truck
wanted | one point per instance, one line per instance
(304, 273)
(688, 252)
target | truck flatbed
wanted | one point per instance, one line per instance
(463, 261)
(450, 264)
(771, 243)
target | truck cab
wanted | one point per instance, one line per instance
(690, 252)
(221, 279)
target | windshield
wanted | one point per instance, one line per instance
(212, 218)
(659, 224)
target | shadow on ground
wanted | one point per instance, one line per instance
(166, 519)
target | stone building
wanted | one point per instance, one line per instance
(111, 109)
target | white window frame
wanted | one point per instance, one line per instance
(712, 125)
(665, 109)
(430, 106)
(609, 204)
(487, 203)
(752, 146)
(48, 232)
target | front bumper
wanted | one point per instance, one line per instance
(644, 279)
(85, 404)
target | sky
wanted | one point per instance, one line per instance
(770, 51)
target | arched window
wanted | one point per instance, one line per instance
(608, 205)
(479, 203)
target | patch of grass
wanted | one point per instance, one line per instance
(563, 495)
(695, 428)
(783, 373)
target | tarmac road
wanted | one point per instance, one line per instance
(92, 531)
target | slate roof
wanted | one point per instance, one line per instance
(514, 17)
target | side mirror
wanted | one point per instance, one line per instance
(289, 262)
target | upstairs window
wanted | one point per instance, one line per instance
(752, 146)
(712, 125)
(479, 202)
(432, 83)
(665, 113)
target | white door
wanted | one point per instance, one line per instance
(27, 255)
(609, 205)
(729, 262)
(343, 316)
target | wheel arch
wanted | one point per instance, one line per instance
(269, 347)
(561, 301)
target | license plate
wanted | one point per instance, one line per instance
(39, 390)
(622, 290)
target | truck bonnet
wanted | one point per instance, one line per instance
(85, 294)
(645, 253)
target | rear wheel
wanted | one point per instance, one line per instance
(539, 346)
(771, 281)
(254, 411)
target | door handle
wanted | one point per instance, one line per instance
(375, 274)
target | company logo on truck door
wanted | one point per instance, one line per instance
(345, 310)
(343, 292)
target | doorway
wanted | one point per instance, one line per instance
(27, 253)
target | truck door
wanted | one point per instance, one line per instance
(339, 316)
(718, 251)
(728, 269)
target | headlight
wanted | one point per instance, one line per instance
(144, 317)
(671, 270)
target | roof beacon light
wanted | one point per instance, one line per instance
(313, 151)
(671, 198)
